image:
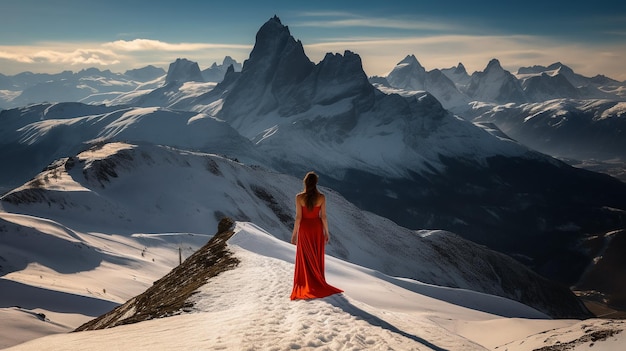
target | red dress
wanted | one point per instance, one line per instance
(309, 280)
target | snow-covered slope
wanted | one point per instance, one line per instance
(89, 85)
(458, 74)
(599, 87)
(239, 310)
(34, 136)
(125, 189)
(577, 129)
(184, 81)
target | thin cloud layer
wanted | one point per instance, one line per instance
(122, 54)
(36, 55)
(157, 45)
(379, 55)
(365, 22)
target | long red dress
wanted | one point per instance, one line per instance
(309, 280)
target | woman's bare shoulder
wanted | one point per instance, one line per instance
(299, 197)
(321, 199)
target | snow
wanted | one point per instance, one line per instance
(248, 308)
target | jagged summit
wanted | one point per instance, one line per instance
(279, 78)
(217, 72)
(493, 65)
(410, 75)
(460, 69)
(495, 84)
(410, 60)
(183, 70)
(228, 61)
(276, 63)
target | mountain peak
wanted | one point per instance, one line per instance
(494, 64)
(275, 19)
(183, 70)
(495, 84)
(409, 59)
(408, 74)
(228, 61)
(460, 69)
(276, 63)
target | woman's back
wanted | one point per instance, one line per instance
(312, 213)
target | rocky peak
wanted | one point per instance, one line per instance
(460, 69)
(494, 67)
(408, 74)
(277, 63)
(340, 67)
(183, 70)
(411, 60)
(495, 84)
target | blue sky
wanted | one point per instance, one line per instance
(52, 36)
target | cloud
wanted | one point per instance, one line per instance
(15, 57)
(377, 23)
(157, 45)
(120, 54)
(74, 57)
(349, 20)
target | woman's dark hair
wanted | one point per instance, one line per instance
(310, 190)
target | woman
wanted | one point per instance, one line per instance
(310, 235)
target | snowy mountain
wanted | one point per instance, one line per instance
(184, 81)
(106, 223)
(574, 78)
(34, 136)
(509, 101)
(458, 74)
(545, 87)
(410, 75)
(495, 84)
(102, 87)
(566, 128)
(216, 72)
(559, 81)
(89, 85)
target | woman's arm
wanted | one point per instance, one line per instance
(296, 224)
(324, 219)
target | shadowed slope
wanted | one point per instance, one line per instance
(169, 295)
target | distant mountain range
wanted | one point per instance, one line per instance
(94, 86)
(427, 150)
(551, 109)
